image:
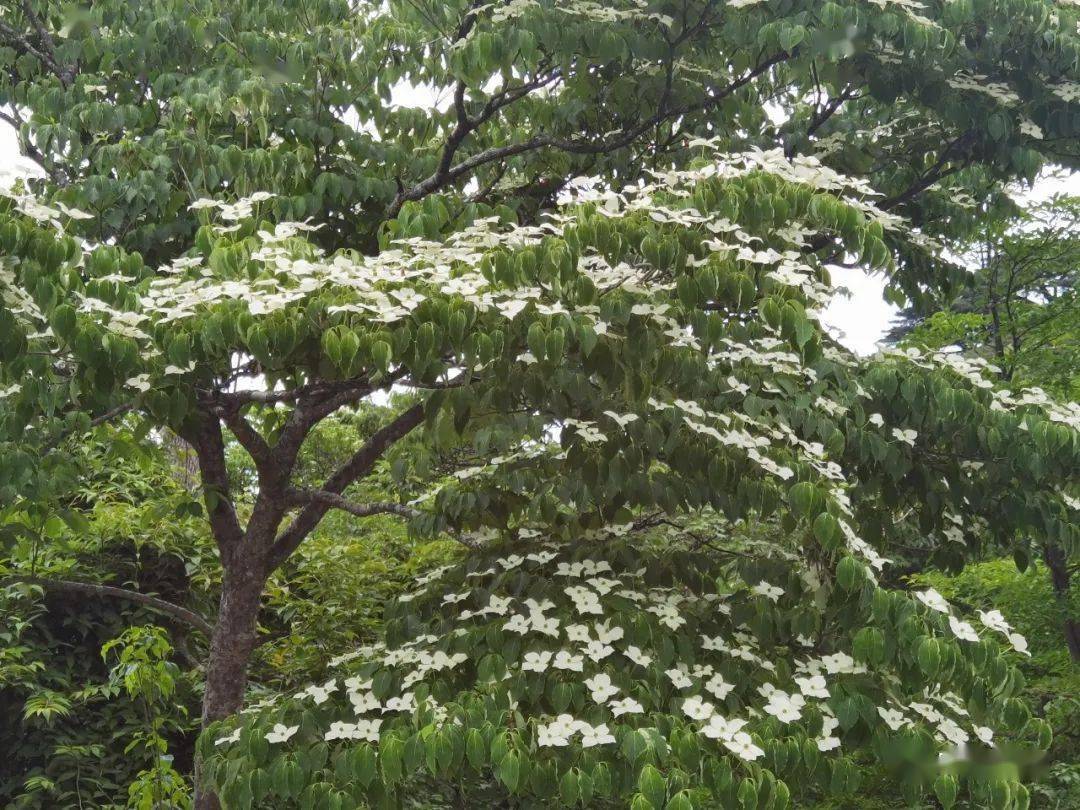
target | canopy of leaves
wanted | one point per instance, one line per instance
(596, 274)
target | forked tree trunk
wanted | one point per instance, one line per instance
(1056, 562)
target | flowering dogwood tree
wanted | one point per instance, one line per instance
(602, 262)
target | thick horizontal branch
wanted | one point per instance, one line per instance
(303, 497)
(111, 591)
(256, 397)
(437, 385)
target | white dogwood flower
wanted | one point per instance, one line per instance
(597, 651)
(962, 630)
(933, 600)
(577, 632)
(1019, 643)
(625, 706)
(718, 686)
(552, 736)
(566, 660)
(770, 592)
(601, 687)
(697, 709)
(742, 746)
(894, 718)
(679, 678)
(281, 733)
(228, 738)
(364, 702)
(536, 661)
(813, 686)
(993, 620)
(985, 735)
(517, 624)
(720, 728)
(595, 735)
(405, 703)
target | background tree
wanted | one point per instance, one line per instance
(133, 293)
(1019, 311)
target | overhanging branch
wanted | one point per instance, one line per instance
(97, 421)
(447, 173)
(111, 591)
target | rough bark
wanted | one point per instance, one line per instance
(233, 641)
(1057, 564)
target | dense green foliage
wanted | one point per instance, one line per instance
(566, 315)
(75, 736)
(654, 701)
(1053, 678)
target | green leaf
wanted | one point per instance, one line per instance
(509, 770)
(946, 789)
(475, 748)
(391, 750)
(652, 785)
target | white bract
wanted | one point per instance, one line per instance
(281, 733)
(601, 687)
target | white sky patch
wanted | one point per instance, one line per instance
(858, 320)
(12, 164)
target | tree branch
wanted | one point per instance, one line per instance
(451, 173)
(360, 464)
(93, 589)
(934, 173)
(29, 150)
(251, 440)
(20, 42)
(209, 446)
(829, 110)
(304, 497)
(97, 421)
(45, 50)
(319, 387)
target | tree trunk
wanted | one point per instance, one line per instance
(231, 647)
(1054, 557)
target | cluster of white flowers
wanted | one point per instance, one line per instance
(360, 730)
(724, 691)
(963, 630)
(562, 729)
(784, 707)
(998, 91)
